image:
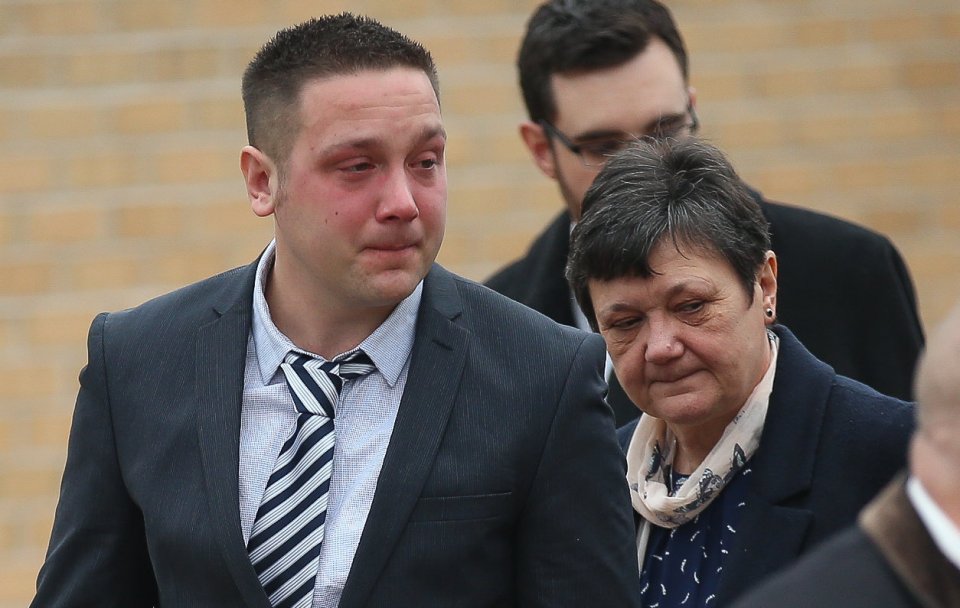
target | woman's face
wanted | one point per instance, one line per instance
(688, 344)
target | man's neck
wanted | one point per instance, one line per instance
(312, 324)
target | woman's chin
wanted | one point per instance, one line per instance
(689, 408)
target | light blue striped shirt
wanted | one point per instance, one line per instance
(364, 422)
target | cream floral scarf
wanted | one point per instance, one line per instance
(650, 459)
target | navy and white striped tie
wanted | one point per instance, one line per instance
(288, 530)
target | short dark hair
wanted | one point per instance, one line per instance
(570, 36)
(326, 46)
(682, 190)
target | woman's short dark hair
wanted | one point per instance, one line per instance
(332, 45)
(682, 190)
(576, 36)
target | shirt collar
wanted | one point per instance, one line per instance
(388, 346)
(943, 531)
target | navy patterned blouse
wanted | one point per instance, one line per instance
(682, 566)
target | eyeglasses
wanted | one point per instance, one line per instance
(596, 152)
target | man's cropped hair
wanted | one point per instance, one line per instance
(332, 45)
(577, 36)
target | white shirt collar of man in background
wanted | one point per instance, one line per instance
(944, 532)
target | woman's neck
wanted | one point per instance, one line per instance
(689, 455)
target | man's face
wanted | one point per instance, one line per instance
(602, 108)
(360, 211)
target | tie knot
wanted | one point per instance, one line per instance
(316, 385)
(354, 365)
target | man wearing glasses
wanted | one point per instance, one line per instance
(598, 73)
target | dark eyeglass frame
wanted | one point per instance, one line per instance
(577, 149)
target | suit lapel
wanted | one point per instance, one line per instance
(771, 533)
(436, 365)
(220, 358)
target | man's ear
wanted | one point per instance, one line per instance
(262, 180)
(540, 148)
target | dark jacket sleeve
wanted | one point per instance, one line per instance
(537, 280)
(97, 554)
(847, 571)
(846, 293)
(576, 544)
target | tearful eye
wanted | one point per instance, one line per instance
(692, 307)
(358, 167)
(623, 324)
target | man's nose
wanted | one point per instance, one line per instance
(398, 201)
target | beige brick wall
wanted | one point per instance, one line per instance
(120, 126)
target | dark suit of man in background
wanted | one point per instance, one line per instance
(904, 551)
(595, 73)
(474, 461)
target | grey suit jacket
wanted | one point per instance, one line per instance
(502, 484)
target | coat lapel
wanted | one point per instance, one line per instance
(220, 360)
(551, 294)
(770, 532)
(893, 524)
(436, 365)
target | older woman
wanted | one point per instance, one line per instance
(749, 450)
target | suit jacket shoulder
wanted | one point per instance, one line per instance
(847, 294)
(848, 571)
(537, 279)
(888, 560)
(189, 305)
(157, 398)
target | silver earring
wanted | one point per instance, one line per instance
(769, 313)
